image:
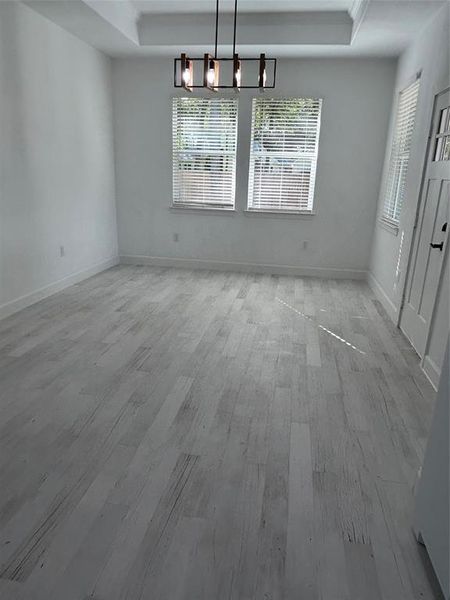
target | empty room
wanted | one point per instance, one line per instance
(224, 299)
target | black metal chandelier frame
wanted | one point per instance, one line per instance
(211, 64)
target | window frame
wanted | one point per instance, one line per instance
(401, 156)
(211, 207)
(313, 156)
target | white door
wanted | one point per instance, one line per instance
(431, 232)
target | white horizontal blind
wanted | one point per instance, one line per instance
(204, 152)
(283, 154)
(399, 159)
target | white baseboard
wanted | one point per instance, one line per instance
(28, 299)
(432, 371)
(217, 265)
(381, 295)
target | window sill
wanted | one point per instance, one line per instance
(279, 214)
(389, 225)
(203, 210)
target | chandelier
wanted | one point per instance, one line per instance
(212, 67)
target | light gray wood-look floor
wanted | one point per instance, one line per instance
(169, 434)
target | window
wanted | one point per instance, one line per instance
(442, 139)
(283, 154)
(399, 159)
(204, 152)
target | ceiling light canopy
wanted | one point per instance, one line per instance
(184, 67)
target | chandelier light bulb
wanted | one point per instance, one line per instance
(238, 78)
(210, 73)
(187, 76)
(187, 72)
(237, 73)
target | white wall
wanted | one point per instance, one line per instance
(56, 158)
(432, 499)
(429, 53)
(357, 98)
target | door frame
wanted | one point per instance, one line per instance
(413, 238)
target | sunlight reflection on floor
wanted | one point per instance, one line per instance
(338, 337)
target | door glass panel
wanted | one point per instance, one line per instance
(443, 120)
(446, 154)
(438, 149)
(442, 140)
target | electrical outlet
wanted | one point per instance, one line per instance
(62, 251)
(175, 237)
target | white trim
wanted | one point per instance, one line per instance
(286, 214)
(203, 210)
(358, 12)
(218, 265)
(9, 308)
(381, 295)
(431, 370)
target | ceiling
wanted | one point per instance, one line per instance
(282, 28)
(187, 6)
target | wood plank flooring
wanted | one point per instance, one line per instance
(171, 434)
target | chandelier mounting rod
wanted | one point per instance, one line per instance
(234, 26)
(217, 29)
